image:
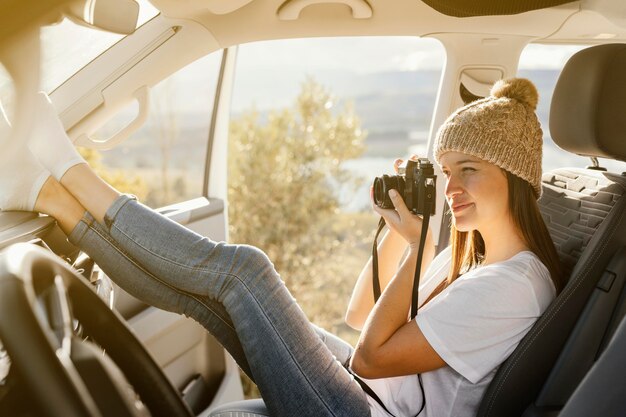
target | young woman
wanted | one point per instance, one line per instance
(478, 298)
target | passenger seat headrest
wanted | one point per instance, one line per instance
(588, 110)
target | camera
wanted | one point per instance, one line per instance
(415, 184)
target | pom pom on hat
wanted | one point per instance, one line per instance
(502, 129)
(519, 89)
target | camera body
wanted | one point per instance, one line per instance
(415, 184)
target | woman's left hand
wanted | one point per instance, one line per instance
(401, 220)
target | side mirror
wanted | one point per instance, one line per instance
(118, 16)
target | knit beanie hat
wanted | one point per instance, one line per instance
(502, 129)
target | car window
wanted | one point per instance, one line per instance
(313, 121)
(163, 162)
(67, 46)
(542, 64)
(7, 92)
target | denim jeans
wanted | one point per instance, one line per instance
(237, 295)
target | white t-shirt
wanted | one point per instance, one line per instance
(474, 325)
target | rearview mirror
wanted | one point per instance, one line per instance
(118, 16)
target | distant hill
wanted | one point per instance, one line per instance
(385, 101)
(395, 108)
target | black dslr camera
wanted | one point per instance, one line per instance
(415, 184)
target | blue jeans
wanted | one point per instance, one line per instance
(237, 295)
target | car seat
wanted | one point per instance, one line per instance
(584, 211)
(601, 393)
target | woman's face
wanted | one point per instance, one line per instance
(476, 191)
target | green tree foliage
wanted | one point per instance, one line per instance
(281, 174)
(120, 180)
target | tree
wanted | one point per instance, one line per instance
(281, 175)
(120, 180)
(165, 128)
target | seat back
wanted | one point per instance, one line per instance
(592, 398)
(584, 210)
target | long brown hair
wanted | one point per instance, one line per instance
(468, 248)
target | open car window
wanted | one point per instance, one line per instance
(164, 161)
(313, 121)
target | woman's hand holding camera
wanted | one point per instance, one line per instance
(400, 220)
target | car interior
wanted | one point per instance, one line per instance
(58, 314)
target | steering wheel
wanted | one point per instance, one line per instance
(40, 296)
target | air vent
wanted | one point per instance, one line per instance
(475, 83)
(466, 95)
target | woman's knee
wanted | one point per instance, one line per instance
(254, 259)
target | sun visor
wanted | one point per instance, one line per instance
(464, 8)
(589, 101)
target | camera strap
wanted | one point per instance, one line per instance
(369, 391)
(418, 264)
(414, 296)
(420, 255)
(376, 281)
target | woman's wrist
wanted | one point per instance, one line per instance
(414, 245)
(394, 239)
(414, 248)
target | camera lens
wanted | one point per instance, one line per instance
(382, 185)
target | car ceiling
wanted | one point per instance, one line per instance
(244, 21)
(239, 21)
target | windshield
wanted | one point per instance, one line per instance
(67, 47)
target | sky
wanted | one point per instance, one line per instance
(378, 54)
(62, 57)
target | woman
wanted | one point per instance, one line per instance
(478, 298)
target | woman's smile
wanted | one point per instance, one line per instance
(457, 208)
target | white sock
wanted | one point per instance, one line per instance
(21, 175)
(49, 142)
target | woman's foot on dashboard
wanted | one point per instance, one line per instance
(49, 142)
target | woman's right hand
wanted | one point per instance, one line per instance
(400, 220)
(391, 250)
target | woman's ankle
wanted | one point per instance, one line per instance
(55, 201)
(89, 190)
